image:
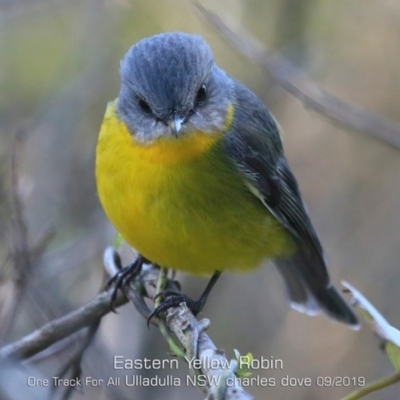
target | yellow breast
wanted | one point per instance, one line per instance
(181, 203)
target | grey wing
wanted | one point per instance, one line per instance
(270, 179)
(256, 149)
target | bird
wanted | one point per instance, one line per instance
(190, 169)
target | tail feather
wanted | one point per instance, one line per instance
(310, 295)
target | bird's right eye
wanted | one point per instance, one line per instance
(201, 94)
(144, 106)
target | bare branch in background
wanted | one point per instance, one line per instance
(22, 254)
(303, 88)
(21, 242)
(60, 328)
(187, 330)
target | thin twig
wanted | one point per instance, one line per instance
(73, 367)
(388, 335)
(21, 242)
(20, 253)
(304, 89)
(373, 387)
(60, 328)
(189, 332)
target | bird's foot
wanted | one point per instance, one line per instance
(124, 277)
(173, 299)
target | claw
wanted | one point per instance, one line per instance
(173, 299)
(124, 277)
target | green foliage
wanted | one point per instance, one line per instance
(118, 242)
(393, 353)
(243, 370)
(387, 333)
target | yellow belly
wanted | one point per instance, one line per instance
(182, 204)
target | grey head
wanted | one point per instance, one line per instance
(171, 86)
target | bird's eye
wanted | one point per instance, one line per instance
(201, 94)
(144, 106)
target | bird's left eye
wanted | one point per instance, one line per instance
(201, 94)
(144, 105)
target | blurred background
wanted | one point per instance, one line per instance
(59, 64)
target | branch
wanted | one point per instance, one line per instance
(190, 334)
(22, 254)
(187, 330)
(60, 328)
(373, 387)
(390, 341)
(304, 89)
